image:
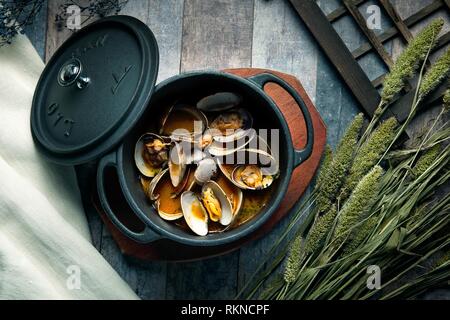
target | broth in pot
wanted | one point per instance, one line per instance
(206, 169)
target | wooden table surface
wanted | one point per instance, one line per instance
(217, 34)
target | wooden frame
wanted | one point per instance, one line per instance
(346, 62)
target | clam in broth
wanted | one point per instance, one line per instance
(183, 176)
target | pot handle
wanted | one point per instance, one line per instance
(299, 155)
(147, 235)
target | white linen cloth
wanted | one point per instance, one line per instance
(44, 236)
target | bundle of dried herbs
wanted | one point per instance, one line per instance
(15, 15)
(373, 205)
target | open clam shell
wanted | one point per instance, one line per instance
(151, 154)
(151, 189)
(267, 162)
(219, 101)
(250, 177)
(216, 203)
(183, 123)
(194, 213)
(234, 194)
(221, 149)
(177, 164)
(161, 191)
(250, 169)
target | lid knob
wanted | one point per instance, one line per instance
(70, 73)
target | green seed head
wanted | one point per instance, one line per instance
(327, 158)
(360, 234)
(369, 154)
(292, 267)
(321, 227)
(437, 73)
(446, 100)
(358, 204)
(409, 61)
(425, 161)
(332, 179)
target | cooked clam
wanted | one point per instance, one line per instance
(267, 162)
(220, 101)
(249, 169)
(183, 122)
(161, 191)
(177, 164)
(202, 170)
(251, 177)
(205, 140)
(231, 125)
(264, 160)
(224, 148)
(152, 188)
(217, 203)
(206, 170)
(151, 154)
(194, 213)
(234, 194)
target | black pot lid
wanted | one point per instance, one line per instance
(94, 89)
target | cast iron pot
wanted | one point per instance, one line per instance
(267, 115)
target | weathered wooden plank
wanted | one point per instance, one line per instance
(216, 34)
(209, 279)
(395, 17)
(280, 42)
(371, 36)
(56, 35)
(137, 8)
(378, 81)
(442, 41)
(334, 100)
(165, 18)
(147, 281)
(371, 63)
(36, 31)
(338, 53)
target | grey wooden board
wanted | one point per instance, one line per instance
(204, 34)
(216, 35)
